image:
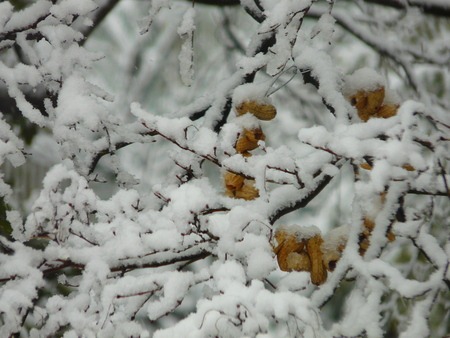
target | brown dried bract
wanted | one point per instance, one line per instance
(331, 257)
(248, 191)
(366, 166)
(318, 270)
(297, 255)
(367, 103)
(248, 140)
(386, 111)
(262, 111)
(364, 237)
(233, 183)
(408, 167)
(287, 245)
(298, 262)
(237, 186)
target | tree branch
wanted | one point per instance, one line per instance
(217, 2)
(427, 7)
(100, 14)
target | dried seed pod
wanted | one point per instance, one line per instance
(249, 139)
(366, 166)
(387, 110)
(364, 236)
(318, 270)
(248, 191)
(367, 103)
(288, 241)
(390, 236)
(262, 111)
(368, 223)
(363, 244)
(297, 262)
(331, 257)
(233, 183)
(408, 167)
(334, 243)
(287, 244)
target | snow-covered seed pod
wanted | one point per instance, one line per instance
(364, 236)
(367, 103)
(318, 270)
(263, 111)
(331, 257)
(248, 140)
(334, 243)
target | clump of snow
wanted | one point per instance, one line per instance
(29, 15)
(204, 141)
(73, 7)
(335, 238)
(155, 8)
(364, 79)
(10, 145)
(300, 232)
(323, 31)
(186, 56)
(6, 10)
(251, 92)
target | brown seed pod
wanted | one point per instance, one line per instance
(249, 139)
(368, 224)
(367, 103)
(233, 183)
(366, 166)
(331, 257)
(334, 243)
(390, 236)
(318, 270)
(364, 236)
(387, 110)
(262, 111)
(237, 186)
(247, 191)
(288, 244)
(298, 262)
(288, 241)
(408, 167)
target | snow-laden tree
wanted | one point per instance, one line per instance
(225, 168)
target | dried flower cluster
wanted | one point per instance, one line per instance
(317, 254)
(297, 251)
(237, 186)
(370, 104)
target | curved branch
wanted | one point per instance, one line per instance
(300, 203)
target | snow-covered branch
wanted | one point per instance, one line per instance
(246, 170)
